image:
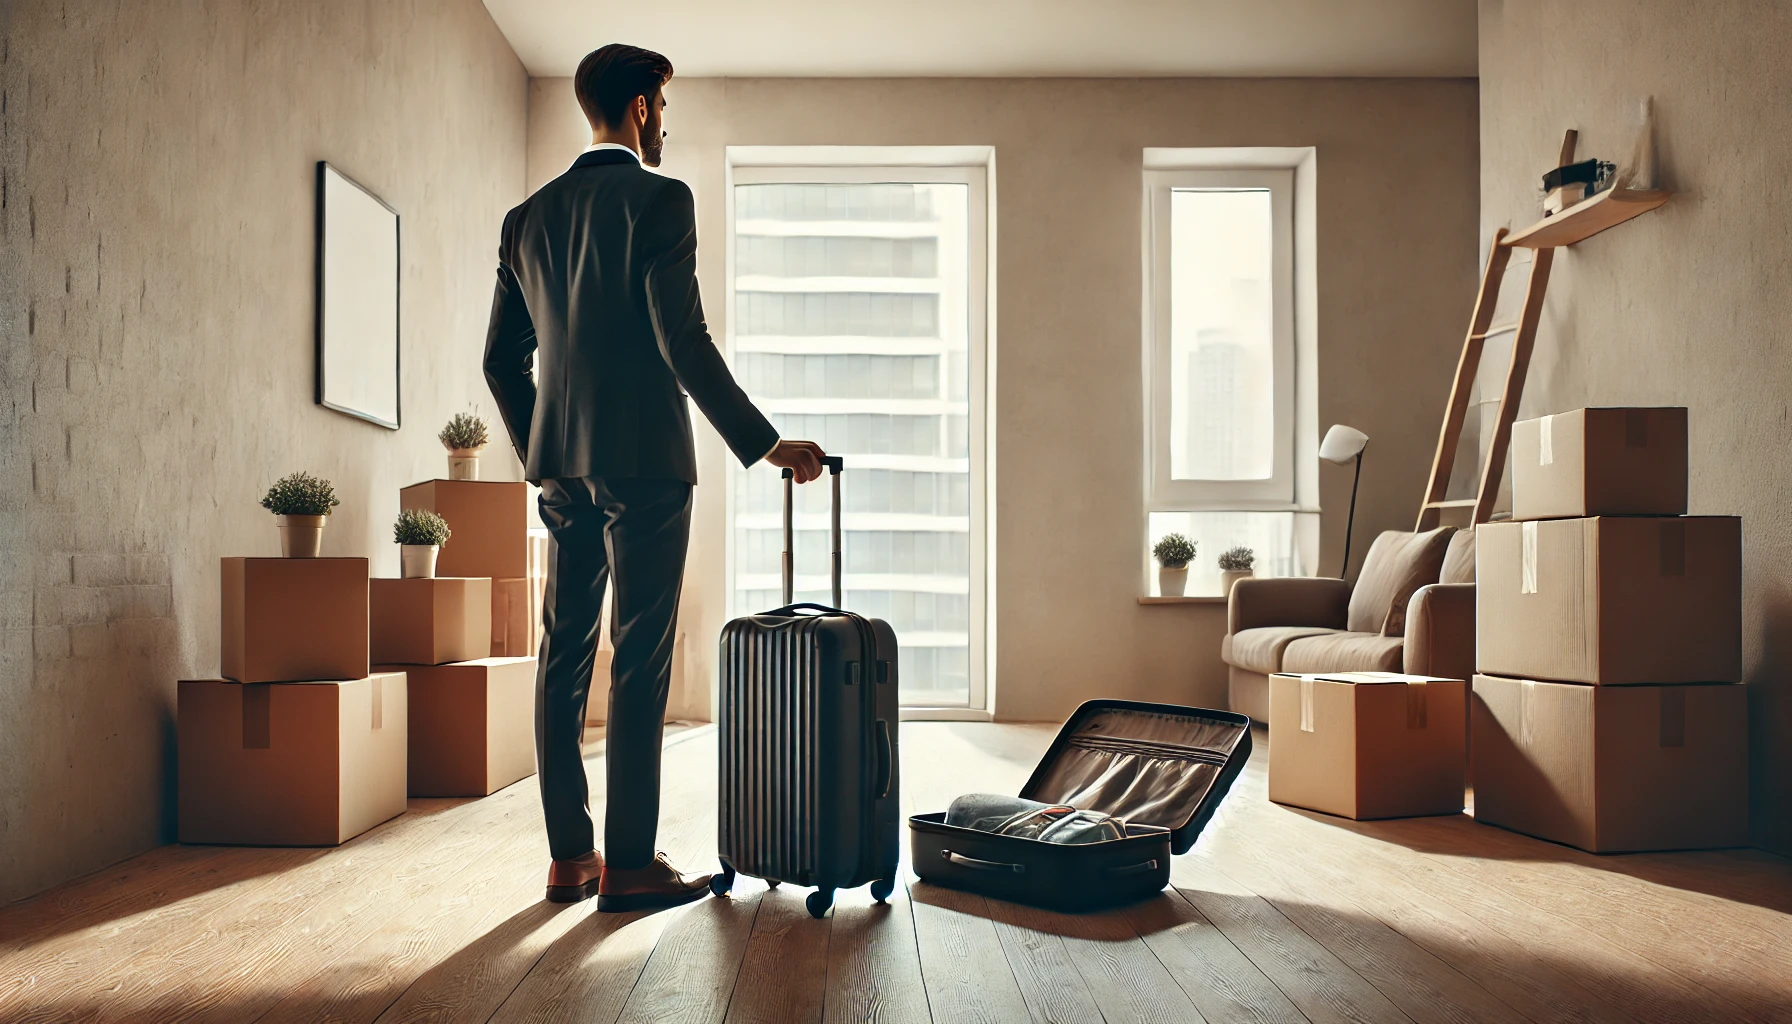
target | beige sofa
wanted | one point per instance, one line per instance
(1412, 610)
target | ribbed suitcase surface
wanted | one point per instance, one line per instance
(808, 724)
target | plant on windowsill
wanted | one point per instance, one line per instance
(300, 503)
(1235, 565)
(420, 534)
(465, 437)
(1173, 554)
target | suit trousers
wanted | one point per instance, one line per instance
(632, 533)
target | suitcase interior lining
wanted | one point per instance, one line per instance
(1148, 767)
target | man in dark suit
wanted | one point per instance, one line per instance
(597, 295)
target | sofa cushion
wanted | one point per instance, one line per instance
(1459, 560)
(1398, 564)
(1260, 649)
(1344, 652)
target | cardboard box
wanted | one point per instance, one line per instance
(1611, 601)
(472, 726)
(1368, 744)
(1612, 769)
(290, 764)
(516, 617)
(489, 520)
(293, 619)
(1600, 462)
(430, 621)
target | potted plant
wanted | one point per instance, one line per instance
(300, 503)
(1173, 553)
(465, 437)
(420, 535)
(1235, 565)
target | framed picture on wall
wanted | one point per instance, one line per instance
(357, 300)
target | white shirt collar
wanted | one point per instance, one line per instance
(596, 146)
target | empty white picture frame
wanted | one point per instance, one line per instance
(357, 300)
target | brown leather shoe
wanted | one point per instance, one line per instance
(653, 887)
(570, 881)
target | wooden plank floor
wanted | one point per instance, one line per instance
(1276, 916)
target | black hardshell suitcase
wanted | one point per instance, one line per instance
(1162, 767)
(808, 724)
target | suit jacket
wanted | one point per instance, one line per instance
(597, 332)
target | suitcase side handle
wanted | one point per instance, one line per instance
(982, 865)
(885, 755)
(1131, 869)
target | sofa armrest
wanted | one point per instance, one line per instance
(1288, 601)
(1440, 631)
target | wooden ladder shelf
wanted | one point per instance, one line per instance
(1583, 220)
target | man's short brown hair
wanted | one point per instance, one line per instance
(610, 77)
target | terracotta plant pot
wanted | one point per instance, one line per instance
(1231, 576)
(1172, 582)
(301, 536)
(463, 463)
(418, 561)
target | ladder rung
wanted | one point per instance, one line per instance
(1454, 503)
(1498, 329)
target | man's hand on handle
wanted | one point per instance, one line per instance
(802, 458)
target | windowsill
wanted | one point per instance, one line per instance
(1182, 600)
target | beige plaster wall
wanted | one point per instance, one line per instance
(1687, 305)
(156, 209)
(1396, 262)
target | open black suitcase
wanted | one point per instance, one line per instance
(808, 717)
(1163, 768)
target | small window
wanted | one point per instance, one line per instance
(1220, 366)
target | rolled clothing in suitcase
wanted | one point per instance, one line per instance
(809, 752)
(1161, 768)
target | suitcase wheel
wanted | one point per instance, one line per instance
(722, 881)
(882, 888)
(819, 901)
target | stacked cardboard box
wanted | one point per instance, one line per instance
(1607, 711)
(299, 744)
(466, 641)
(1367, 744)
(490, 520)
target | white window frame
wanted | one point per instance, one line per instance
(1164, 494)
(969, 165)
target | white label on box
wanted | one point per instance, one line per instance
(1306, 705)
(1528, 577)
(1546, 441)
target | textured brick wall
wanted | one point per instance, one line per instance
(156, 203)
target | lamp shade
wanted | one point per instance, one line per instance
(1342, 444)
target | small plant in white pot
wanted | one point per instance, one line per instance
(420, 535)
(301, 503)
(1173, 554)
(465, 437)
(1235, 565)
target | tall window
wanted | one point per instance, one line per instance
(856, 321)
(1220, 370)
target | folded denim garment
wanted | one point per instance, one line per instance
(1030, 819)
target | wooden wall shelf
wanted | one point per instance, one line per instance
(1585, 219)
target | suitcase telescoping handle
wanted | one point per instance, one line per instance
(835, 464)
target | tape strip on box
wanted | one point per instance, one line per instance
(1528, 574)
(1416, 717)
(257, 700)
(1673, 716)
(1306, 705)
(1673, 547)
(1527, 703)
(1546, 441)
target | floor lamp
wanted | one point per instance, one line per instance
(1341, 445)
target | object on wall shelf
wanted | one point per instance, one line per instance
(1581, 221)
